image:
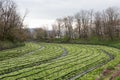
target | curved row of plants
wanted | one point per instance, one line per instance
(19, 51)
(78, 59)
(97, 72)
(60, 62)
(39, 57)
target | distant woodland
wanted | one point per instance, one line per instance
(85, 24)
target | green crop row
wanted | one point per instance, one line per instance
(46, 61)
(55, 61)
(19, 51)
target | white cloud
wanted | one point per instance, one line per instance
(36, 23)
(45, 11)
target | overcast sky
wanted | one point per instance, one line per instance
(44, 12)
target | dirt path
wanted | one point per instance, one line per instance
(65, 52)
(41, 48)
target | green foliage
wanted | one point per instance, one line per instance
(117, 78)
(18, 51)
(8, 44)
(66, 39)
(110, 68)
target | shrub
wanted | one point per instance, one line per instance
(110, 68)
(117, 78)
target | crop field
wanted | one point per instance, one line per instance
(48, 61)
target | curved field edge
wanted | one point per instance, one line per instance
(18, 51)
(70, 49)
(10, 69)
(95, 74)
(72, 53)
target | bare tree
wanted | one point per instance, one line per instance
(85, 19)
(78, 23)
(97, 22)
(104, 25)
(68, 25)
(10, 21)
(59, 26)
(110, 20)
(54, 30)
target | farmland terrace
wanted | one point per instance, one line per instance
(52, 61)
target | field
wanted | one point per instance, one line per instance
(48, 61)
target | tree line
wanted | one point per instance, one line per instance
(11, 23)
(86, 24)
